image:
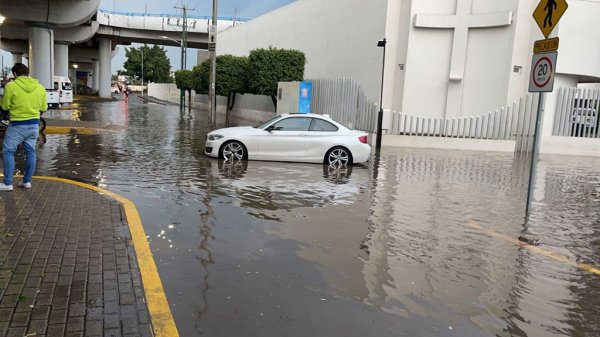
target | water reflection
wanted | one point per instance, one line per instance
(285, 249)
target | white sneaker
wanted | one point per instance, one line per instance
(21, 184)
(5, 187)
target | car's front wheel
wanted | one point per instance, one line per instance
(233, 150)
(338, 156)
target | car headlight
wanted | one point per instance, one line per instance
(214, 137)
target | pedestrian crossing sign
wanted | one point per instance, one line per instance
(548, 13)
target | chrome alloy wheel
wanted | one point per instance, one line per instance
(233, 151)
(338, 157)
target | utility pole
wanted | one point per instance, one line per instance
(212, 47)
(183, 65)
(142, 50)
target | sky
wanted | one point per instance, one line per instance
(247, 9)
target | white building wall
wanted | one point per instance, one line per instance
(526, 32)
(339, 38)
(487, 65)
(579, 32)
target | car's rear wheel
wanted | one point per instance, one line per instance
(338, 156)
(233, 150)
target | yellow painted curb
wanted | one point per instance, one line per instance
(65, 130)
(548, 253)
(163, 323)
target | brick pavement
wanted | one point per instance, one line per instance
(67, 265)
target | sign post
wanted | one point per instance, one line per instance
(543, 69)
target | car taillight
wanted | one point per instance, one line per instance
(363, 139)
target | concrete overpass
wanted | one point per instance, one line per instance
(55, 33)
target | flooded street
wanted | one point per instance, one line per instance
(284, 249)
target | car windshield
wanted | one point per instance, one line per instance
(264, 124)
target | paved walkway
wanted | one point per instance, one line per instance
(68, 266)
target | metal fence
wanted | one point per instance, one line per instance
(515, 121)
(577, 113)
(345, 101)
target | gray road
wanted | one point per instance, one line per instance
(279, 249)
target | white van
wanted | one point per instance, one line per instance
(65, 89)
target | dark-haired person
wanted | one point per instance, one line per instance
(24, 98)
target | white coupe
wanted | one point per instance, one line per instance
(307, 138)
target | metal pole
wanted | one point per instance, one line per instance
(380, 113)
(182, 61)
(534, 154)
(142, 50)
(213, 67)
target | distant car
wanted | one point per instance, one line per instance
(307, 138)
(585, 122)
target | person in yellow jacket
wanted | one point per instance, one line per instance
(23, 98)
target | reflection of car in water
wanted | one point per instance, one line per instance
(272, 186)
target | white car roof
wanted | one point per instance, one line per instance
(306, 115)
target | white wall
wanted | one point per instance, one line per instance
(339, 38)
(487, 67)
(579, 32)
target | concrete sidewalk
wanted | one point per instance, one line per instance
(68, 266)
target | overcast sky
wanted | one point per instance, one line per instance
(245, 9)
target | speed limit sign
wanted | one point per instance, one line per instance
(543, 68)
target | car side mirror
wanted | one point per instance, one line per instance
(273, 128)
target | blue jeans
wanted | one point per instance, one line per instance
(15, 135)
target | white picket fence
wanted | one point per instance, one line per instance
(512, 122)
(577, 113)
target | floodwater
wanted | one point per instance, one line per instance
(280, 249)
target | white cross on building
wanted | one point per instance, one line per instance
(461, 22)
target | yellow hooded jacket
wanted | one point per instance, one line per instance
(24, 97)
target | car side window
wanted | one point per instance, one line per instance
(293, 124)
(321, 125)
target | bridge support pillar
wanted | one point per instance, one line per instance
(16, 58)
(41, 54)
(61, 59)
(95, 74)
(104, 73)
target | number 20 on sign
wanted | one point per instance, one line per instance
(543, 68)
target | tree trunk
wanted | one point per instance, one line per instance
(190, 100)
(230, 105)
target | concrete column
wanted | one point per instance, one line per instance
(61, 59)
(95, 74)
(16, 58)
(104, 78)
(41, 54)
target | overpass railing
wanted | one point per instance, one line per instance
(200, 17)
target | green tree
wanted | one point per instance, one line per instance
(184, 79)
(268, 67)
(232, 79)
(157, 66)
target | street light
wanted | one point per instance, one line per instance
(75, 66)
(2, 18)
(380, 43)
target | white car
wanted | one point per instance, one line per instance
(307, 138)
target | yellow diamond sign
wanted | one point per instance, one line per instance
(548, 13)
